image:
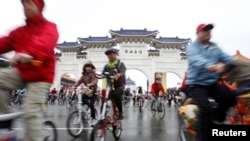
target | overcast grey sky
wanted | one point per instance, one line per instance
(81, 18)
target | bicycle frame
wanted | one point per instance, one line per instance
(104, 106)
(7, 119)
(105, 122)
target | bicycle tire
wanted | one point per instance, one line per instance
(53, 130)
(140, 105)
(117, 129)
(161, 110)
(96, 115)
(80, 123)
(153, 108)
(185, 135)
(98, 133)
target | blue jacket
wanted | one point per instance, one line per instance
(199, 58)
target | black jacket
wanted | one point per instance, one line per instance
(120, 68)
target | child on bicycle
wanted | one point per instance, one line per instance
(89, 80)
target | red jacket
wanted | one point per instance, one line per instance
(37, 38)
(156, 88)
(183, 84)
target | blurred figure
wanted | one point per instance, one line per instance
(33, 44)
(205, 64)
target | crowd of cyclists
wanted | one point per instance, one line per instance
(34, 63)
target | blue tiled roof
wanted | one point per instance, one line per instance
(96, 39)
(171, 39)
(133, 32)
(68, 44)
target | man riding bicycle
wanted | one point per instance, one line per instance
(117, 69)
(206, 62)
(156, 88)
(36, 40)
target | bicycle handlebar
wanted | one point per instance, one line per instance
(104, 75)
(33, 62)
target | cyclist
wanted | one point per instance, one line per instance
(138, 95)
(206, 62)
(89, 79)
(53, 93)
(156, 88)
(117, 69)
(34, 40)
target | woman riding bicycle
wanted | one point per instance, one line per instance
(89, 80)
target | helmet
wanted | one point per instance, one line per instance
(111, 50)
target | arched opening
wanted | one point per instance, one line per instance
(136, 78)
(173, 80)
(68, 80)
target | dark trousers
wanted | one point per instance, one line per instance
(90, 101)
(223, 97)
(116, 96)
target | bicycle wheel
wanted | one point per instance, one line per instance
(140, 105)
(96, 115)
(49, 131)
(161, 110)
(75, 124)
(153, 108)
(117, 129)
(98, 133)
(185, 135)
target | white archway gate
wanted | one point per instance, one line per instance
(138, 49)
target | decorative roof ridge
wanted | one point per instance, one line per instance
(73, 44)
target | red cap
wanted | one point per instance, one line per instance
(205, 27)
(39, 4)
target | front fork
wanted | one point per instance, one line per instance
(79, 105)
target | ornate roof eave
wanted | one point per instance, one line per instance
(153, 53)
(240, 57)
(84, 41)
(181, 42)
(71, 49)
(61, 47)
(123, 35)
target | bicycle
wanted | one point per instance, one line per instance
(79, 116)
(6, 120)
(125, 100)
(139, 101)
(158, 107)
(238, 115)
(106, 122)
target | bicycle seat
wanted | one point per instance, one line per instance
(10, 116)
